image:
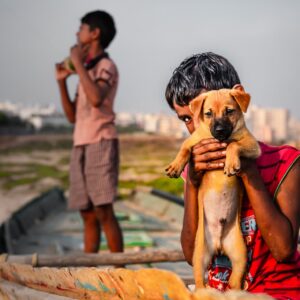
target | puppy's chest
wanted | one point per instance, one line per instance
(220, 195)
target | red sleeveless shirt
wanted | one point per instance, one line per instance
(264, 274)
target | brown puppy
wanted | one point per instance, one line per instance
(219, 114)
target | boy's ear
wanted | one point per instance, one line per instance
(196, 107)
(241, 97)
(96, 33)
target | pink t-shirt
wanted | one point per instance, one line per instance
(96, 123)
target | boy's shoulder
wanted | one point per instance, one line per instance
(107, 64)
(279, 151)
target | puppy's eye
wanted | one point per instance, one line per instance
(229, 111)
(208, 114)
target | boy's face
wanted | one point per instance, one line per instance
(184, 114)
(85, 35)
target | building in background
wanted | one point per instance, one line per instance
(39, 117)
(271, 125)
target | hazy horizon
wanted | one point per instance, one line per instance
(260, 38)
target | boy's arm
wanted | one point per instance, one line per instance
(190, 220)
(95, 91)
(277, 220)
(68, 105)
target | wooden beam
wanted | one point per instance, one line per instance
(111, 284)
(11, 290)
(89, 260)
(99, 284)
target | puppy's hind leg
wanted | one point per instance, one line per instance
(201, 258)
(235, 248)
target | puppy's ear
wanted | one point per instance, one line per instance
(241, 97)
(196, 107)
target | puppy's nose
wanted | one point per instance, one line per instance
(221, 130)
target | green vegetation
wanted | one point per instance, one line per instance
(4, 174)
(10, 184)
(30, 173)
(173, 186)
(64, 161)
(143, 160)
(42, 145)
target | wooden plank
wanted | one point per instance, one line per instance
(14, 291)
(98, 259)
(113, 284)
(94, 283)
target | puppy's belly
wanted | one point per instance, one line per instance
(221, 202)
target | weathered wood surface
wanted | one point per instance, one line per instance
(93, 283)
(14, 291)
(90, 260)
(111, 284)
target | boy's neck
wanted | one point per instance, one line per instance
(95, 50)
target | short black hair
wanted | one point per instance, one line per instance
(105, 22)
(205, 71)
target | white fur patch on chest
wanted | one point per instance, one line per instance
(220, 210)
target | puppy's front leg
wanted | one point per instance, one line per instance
(249, 147)
(177, 165)
(232, 162)
(246, 147)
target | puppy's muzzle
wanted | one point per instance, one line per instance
(221, 129)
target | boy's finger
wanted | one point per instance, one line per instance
(208, 141)
(208, 166)
(210, 156)
(209, 147)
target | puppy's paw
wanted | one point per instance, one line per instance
(174, 169)
(232, 166)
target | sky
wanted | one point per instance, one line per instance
(260, 38)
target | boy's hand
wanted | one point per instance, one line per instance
(209, 154)
(60, 72)
(78, 54)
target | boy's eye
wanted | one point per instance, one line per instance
(208, 114)
(185, 119)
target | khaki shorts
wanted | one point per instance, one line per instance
(94, 172)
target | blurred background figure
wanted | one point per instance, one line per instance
(95, 155)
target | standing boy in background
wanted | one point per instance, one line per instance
(95, 155)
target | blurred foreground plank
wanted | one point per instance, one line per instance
(11, 290)
(112, 284)
(93, 283)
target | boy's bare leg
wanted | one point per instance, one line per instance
(111, 227)
(92, 231)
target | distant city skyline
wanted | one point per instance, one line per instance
(266, 124)
(260, 38)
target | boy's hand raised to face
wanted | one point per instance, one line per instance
(209, 154)
(78, 54)
(60, 72)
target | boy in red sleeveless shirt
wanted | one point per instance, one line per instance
(95, 155)
(271, 205)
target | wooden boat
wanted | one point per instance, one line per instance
(44, 233)
(41, 258)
